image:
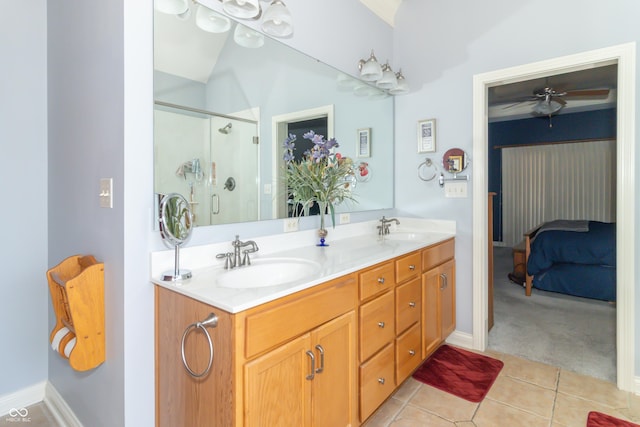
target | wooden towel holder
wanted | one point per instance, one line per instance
(77, 295)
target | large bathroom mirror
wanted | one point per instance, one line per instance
(223, 111)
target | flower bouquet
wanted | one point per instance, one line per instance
(322, 176)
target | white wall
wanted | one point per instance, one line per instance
(23, 178)
(442, 47)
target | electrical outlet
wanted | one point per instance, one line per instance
(345, 218)
(106, 193)
(455, 189)
(290, 224)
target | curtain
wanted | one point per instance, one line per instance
(557, 181)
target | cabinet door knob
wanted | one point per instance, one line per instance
(381, 381)
(381, 280)
(412, 352)
(412, 267)
(412, 304)
(381, 324)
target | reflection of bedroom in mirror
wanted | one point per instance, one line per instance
(555, 186)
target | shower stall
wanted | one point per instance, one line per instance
(211, 159)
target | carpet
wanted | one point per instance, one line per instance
(598, 419)
(459, 372)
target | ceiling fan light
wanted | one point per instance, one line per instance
(242, 9)
(277, 20)
(246, 37)
(545, 108)
(171, 7)
(388, 79)
(211, 21)
(370, 70)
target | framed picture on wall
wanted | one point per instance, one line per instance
(427, 136)
(364, 142)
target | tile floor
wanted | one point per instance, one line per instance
(37, 415)
(527, 394)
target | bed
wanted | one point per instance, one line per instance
(572, 257)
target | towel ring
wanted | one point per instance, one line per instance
(424, 166)
(211, 320)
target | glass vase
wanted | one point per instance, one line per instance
(322, 232)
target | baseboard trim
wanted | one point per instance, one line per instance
(59, 407)
(461, 339)
(22, 398)
(636, 385)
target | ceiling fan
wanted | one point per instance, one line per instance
(549, 101)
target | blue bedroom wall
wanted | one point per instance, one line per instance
(573, 126)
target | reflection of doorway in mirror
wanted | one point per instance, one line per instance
(280, 128)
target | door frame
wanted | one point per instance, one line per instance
(625, 56)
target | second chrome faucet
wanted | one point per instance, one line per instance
(238, 257)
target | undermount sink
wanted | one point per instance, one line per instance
(266, 272)
(404, 235)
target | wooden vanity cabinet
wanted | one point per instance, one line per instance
(329, 355)
(438, 295)
(181, 399)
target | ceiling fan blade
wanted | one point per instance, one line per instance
(516, 104)
(588, 93)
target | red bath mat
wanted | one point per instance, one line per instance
(598, 419)
(459, 372)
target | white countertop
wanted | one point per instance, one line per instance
(352, 247)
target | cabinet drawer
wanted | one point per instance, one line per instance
(376, 280)
(280, 321)
(408, 351)
(408, 304)
(437, 254)
(377, 326)
(377, 381)
(408, 267)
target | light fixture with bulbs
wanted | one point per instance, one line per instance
(276, 19)
(382, 76)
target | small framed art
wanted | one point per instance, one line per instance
(427, 136)
(364, 142)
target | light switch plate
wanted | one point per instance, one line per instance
(106, 193)
(455, 189)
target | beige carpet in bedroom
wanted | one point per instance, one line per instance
(577, 334)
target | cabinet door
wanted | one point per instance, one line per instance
(448, 298)
(431, 318)
(334, 386)
(277, 391)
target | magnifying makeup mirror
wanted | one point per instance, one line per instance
(176, 225)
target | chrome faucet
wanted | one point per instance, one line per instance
(383, 228)
(238, 257)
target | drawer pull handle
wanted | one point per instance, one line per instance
(381, 280)
(381, 324)
(321, 351)
(313, 365)
(412, 352)
(412, 267)
(211, 320)
(381, 381)
(412, 304)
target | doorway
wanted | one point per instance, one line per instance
(624, 56)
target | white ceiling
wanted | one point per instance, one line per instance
(385, 9)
